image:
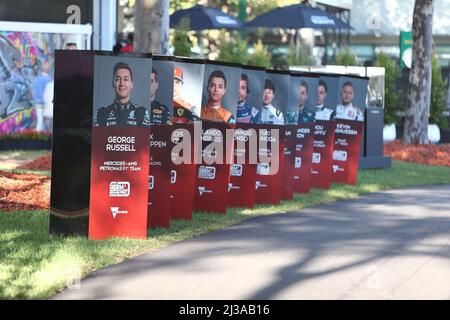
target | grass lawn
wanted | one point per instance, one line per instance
(35, 265)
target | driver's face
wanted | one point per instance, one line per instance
(268, 96)
(154, 86)
(177, 84)
(242, 91)
(123, 84)
(216, 89)
(347, 94)
(321, 95)
(303, 96)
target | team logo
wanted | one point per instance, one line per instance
(316, 158)
(340, 155)
(119, 189)
(205, 172)
(236, 170)
(263, 169)
(260, 185)
(231, 187)
(112, 114)
(298, 162)
(180, 112)
(202, 190)
(116, 211)
(131, 115)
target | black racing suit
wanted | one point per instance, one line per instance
(122, 115)
(159, 113)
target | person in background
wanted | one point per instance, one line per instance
(48, 106)
(40, 82)
(129, 46)
(121, 42)
(71, 46)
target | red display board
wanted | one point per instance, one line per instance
(289, 158)
(269, 186)
(213, 175)
(322, 170)
(159, 176)
(347, 148)
(303, 157)
(241, 188)
(182, 176)
(119, 176)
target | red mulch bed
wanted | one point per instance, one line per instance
(431, 154)
(23, 191)
(42, 163)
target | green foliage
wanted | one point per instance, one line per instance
(302, 60)
(261, 56)
(27, 135)
(181, 44)
(234, 49)
(346, 58)
(392, 97)
(438, 90)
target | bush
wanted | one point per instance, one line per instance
(181, 43)
(392, 97)
(345, 58)
(27, 135)
(261, 57)
(302, 60)
(438, 90)
(233, 49)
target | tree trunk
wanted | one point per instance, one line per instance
(151, 25)
(419, 89)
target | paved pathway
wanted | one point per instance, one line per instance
(389, 245)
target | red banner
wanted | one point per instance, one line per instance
(182, 176)
(303, 157)
(119, 177)
(269, 186)
(322, 170)
(159, 178)
(347, 148)
(213, 175)
(289, 158)
(241, 188)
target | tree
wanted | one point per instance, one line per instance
(151, 25)
(419, 88)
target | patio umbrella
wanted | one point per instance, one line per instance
(298, 16)
(203, 18)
